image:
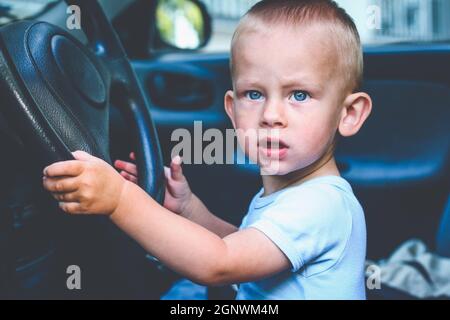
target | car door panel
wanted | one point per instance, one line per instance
(398, 163)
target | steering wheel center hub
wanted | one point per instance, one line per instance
(78, 69)
(66, 68)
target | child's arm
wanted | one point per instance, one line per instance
(179, 198)
(200, 214)
(191, 249)
(91, 186)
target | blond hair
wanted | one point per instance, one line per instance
(340, 25)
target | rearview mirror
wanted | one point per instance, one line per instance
(183, 24)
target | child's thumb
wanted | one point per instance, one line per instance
(175, 169)
(81, 155)
(167, 172)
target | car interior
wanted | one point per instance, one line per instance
(134, 90)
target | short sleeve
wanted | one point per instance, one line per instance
(311, 225)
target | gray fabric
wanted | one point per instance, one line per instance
(413, 269)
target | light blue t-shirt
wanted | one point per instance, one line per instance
(319, 225)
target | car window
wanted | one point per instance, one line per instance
(378, 21)
(11, 10)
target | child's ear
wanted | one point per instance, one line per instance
(357, 108)
(229, 106)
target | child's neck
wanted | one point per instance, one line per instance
(326, 166)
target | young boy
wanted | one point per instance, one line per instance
(296, 66)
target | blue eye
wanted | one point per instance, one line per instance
(300, 96)
(253, 95)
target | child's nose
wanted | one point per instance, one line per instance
(273, 115)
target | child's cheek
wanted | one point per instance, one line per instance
(316, 140)
(248, 141)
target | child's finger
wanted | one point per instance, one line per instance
(132, 156)
(60, 185)
(70, 207)
(126, 166)
(66, 197)
(64, 168)
(175, 168)
(129, 177)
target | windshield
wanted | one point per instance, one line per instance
(11, 10)
(378, 21)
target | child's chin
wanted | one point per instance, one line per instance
(275, 168)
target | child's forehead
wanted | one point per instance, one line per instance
(287, 49)
(308, 46)
(314, 32)
(283, 38)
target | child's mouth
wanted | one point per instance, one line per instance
(275, 149)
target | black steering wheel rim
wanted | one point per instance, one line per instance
(59, 90)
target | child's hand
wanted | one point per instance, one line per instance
(128, 170)
(178, 193)
(85, 185)
(179, 196)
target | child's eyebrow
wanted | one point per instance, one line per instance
(301, 83)
(248, 83)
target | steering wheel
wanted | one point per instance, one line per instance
(57, 90)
